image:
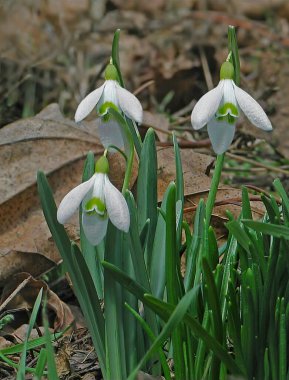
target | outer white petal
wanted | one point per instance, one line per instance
(207, 106)
(72, 200)
(221, 135)
(110, 133)
(116, 206)
(129, 104)
(252, 109)
(94, 227)
(88, 103)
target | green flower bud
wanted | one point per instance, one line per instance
(111, 72)
(227, 71)
(102, 165)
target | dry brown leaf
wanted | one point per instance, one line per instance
(196, 167)
(57, 146)
(159, 123)
(26, 297)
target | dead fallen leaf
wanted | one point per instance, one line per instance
(159, 123)
(26, 297)
(57, 146)
(196, 167)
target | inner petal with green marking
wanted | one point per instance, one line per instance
(227, 112)
(95, 206)
(228, 109)
(103, 110)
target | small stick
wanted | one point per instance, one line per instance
(271, 168)
(13, 294)
(143, 86)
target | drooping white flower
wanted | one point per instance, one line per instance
(110, 94)
(100, 201)
(219, 109)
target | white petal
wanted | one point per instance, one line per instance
(97, 190)
(252, 109)
(88, 103)
(221, 135)
(129, 104)
(94, 227)
(110, 133)
(72, 200)
(207, 106)
(110, 93)
(116, 206)
(228, 99)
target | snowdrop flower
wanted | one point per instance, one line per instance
(110, 95)
(100, 201)
(220, 109)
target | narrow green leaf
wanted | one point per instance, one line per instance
(237, 231)
(179, 189)
(137, 257)
(246, 207)
(268, 228)
(22, 363)
(31, 344)
(213, 300)
(147, 201)
(194, 249)
(51, 365)
(175, 318)
(152, 337)
(233, 47)
(172, 269)
(115, 55)
(157, 272)
(164, 310)
(113, 300)
(41, 362)
(282, 342)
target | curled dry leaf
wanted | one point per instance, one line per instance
(57, 146)
(196, 168)
(26, 298)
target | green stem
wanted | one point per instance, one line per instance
(123, 123)
(214, 188)
(130, 158)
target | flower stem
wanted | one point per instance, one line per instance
(214, 188)
(130, 158)
(123, 123)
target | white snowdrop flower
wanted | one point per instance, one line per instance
(220, 109)
(110, 94)
(100, 201)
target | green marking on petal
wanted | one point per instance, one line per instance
(228, 118)
(228, 109)
(95, 205)
(104, 107)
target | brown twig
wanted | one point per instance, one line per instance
(235, 200)
(259, 164)
(16, 291)
(143, 86)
